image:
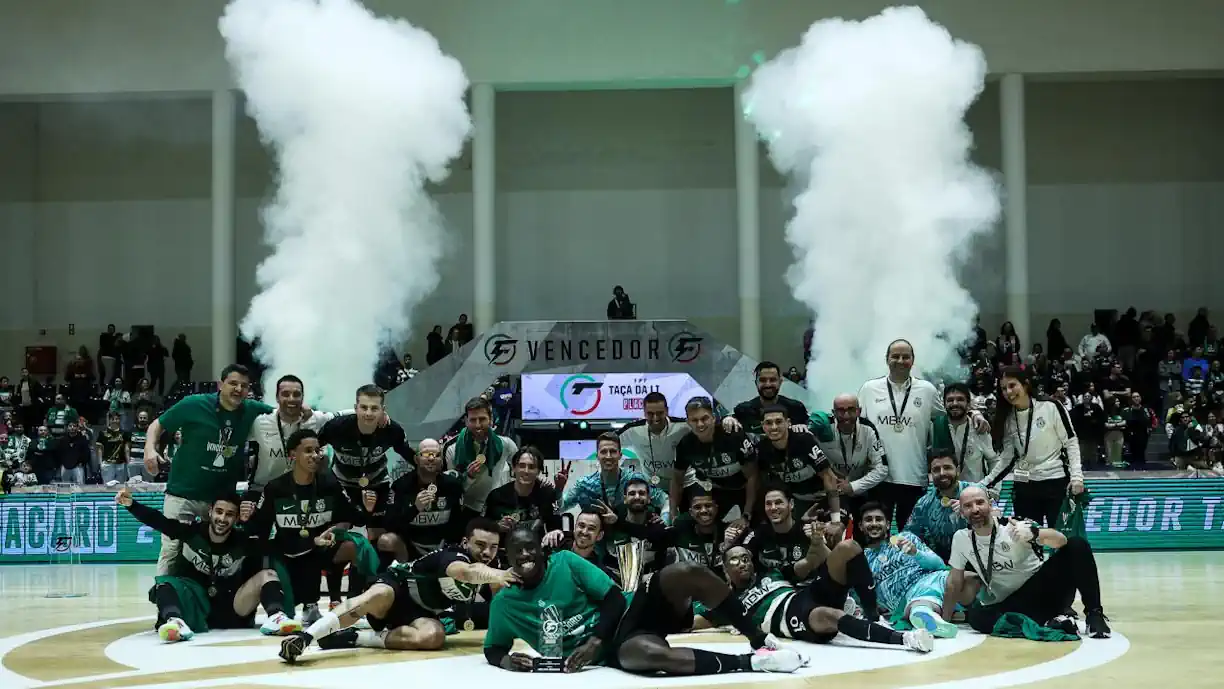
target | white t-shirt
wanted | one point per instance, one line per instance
(864, 468)
(270, 437)
(1052, 438)
(979, 459)
(906, 448)
(1014, 561)
(656, 454)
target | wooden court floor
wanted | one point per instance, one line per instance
(1166, 607)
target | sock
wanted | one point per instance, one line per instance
(729, 610)
(863, 630)
(368, 638)
(327, 624)
(272, 598)
(859, 574)
(711, 663)
(335, 580)
(356, 583)
(167, 601)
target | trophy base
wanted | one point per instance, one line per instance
(548, 665)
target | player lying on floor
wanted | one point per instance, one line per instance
(573, 615)
(405, 601)
(910, 577)
(814, 613)
(217, 580)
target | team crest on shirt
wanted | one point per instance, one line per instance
(320, 505)
(1039, 423)
(798, 552)
(1005, 547)
(918, 402)
(441, 503)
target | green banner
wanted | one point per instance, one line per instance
(1125, 514)
(44, 528)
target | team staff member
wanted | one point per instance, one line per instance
(853, 448)
(654, 439)
(902, 408)
(270, 433)
(479, 455)
(1038, 444)
(727, 460)
(751, 413)
(210, 460)
(975, 454)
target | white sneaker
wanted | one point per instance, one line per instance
(310, 615)
(781, 660)
(852, 608)
(919, 640)
(173, 630)
(279, 624)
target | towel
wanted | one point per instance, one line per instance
(465, 451)
(367, 555)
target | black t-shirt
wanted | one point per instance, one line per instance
(425, 581)
(356, 455)
(721, 461)
(540, 504)
(683, 540)
(112, 442)
(778, 550)
(798, 465)
(442, 523)
(1119, 384)
(290, 507)
(750, 413)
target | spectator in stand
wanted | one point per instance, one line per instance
(135, 362)
(1115, 426)
(620, 308)
(7, 395)
(1093, 344)
(1056, 342)
(1195, 360)
(1126, 338)
(41, 456)
(113, 448)
(1116, 384)
(1088, 418)
(79, 376)
(977, 343)
(156, 366)
(145, 399)
(1170, 371)
(435, 348)
(74, 454)
(1195, 383)
(406, 371)
(1196, 334)
(108, 354)
(463, 331)
(119, 401)
(1215, 383)
(1140, 422)
(15, 448)
(28, 398)
(180, 352)
(136, 455)
(1211, 346)
(1007, 344)
(60, 416)
(452, 343)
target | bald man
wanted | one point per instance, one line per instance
(853, 448)
(424, 510)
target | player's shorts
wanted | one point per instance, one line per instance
(404, 611)
(217, 610)
(792, 621)
(928, 589)
(649, 613)
(306, 573)
(375, 519)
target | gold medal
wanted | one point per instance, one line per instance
(480, 459)
(895, 540)
(431, 488)
(899, 427)
(304, 533)
(654, 480)
(212, 591)
(363, 482)
(946, 502)
(469, 626)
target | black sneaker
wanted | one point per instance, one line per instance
(295, 645)
(1064, 624)
(345, 638)
(1098, 624)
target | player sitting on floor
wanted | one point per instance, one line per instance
(216, 580)
(910, 577)
(572, 613)
(404, 603)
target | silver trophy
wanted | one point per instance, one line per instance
(550, 647)
(631, 559)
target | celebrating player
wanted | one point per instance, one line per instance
(910, 577)
(782, 543)
(403, 605)
(526, 499)
(696, 536)
(608, 485)
(426, 508)
(751, 413)
(216, 579)
(936, 516)
(574, 615)
(724, 458)
(795, 460)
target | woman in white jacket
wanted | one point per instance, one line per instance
(1037, 441)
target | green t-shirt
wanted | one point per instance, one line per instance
(556, 616)
(210, 461)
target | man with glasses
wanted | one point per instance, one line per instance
(211, 459)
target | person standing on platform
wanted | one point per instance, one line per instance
(902, 408)
(210, 461)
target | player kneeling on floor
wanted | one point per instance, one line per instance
(404, 603)
(814, 613)
(573, 615)
(217, 580)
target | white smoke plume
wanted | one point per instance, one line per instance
(868, 117)
(361, 112)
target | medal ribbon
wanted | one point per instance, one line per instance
(1022, 453)
(892, 400)
(853, 444)
(986, 571)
